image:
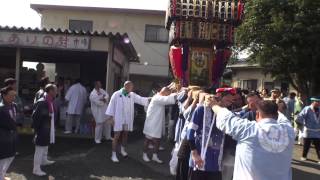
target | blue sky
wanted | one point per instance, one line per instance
(18, 12)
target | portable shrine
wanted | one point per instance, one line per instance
(201, 33)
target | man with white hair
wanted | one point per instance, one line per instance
(154, 120)
(121, 111)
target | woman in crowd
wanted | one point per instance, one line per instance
(8, 131)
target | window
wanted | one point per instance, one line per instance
(155, 33)
(250, 84)
(80, 25)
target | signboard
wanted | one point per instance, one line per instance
(57, 41)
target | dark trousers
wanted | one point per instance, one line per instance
(306, 146)
(204, 175)
(182, 168)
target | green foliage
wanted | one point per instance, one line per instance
(284, 37)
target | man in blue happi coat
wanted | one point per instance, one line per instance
(206, 141)
(264, 147)
(309, 118)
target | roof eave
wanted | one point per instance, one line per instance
(40, 7)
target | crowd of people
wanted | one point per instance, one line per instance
(226, 134)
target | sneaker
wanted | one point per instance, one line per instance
(97, 142)
(7, 178)
(39, 173)
(156, 159)
(67, 132)
(114, 159)
(123, 152)
(145, 157)
(47, 163)
(303, 159)
(318, 162)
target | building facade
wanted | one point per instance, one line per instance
(144, 27)
(251, 77)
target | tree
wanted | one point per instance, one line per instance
(284, 38)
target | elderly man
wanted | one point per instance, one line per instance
(121, 109)
(154, 120)
(265, 146)
(99, 103)
(309, 118)
(43, 123)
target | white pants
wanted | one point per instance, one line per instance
(4, 165)
(40, 157)
(102, 129)
(70, 120)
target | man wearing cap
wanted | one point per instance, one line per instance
(309, 117)
(205, 140)
(275, 94)
(121, 111)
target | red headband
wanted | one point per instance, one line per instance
(232, 91)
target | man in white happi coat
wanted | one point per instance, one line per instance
(77, 98)
(121, 110)
(154, 120)
(99, 103)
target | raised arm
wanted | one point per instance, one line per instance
(232, 125)
(143, 101)
(165, 100)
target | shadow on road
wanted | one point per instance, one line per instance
(307, 172)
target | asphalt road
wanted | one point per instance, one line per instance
(81, 159)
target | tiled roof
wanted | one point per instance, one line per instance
(64, 31)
